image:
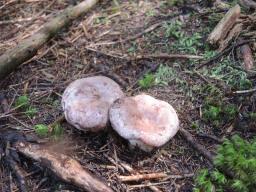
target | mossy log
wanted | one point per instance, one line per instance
(27, 48)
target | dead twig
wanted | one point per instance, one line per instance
(139, 177)
(245, 91)
(167, 56)
(219, 141)
(16, 21)
(189, 138)
(128, 168)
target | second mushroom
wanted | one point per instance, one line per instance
(143, 120)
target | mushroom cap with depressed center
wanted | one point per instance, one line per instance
(86, 102)
(144, 121)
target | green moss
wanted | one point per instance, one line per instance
(147, 81)
(237, 156)
(41, 130)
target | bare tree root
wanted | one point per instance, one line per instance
(63, 166)
(27, 48)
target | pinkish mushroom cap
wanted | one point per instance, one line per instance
(144, 121)
(86, 102)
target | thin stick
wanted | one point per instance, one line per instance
(128, 168)
(245, 91)
(168, 56)
(16, 21)
(189, 138)
(139, 177)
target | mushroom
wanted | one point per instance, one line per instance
(86, 102)
(143, 120)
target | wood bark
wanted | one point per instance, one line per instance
(247, 56)
(224, 26)
(63, 166)
(234, 32)
(27, 48)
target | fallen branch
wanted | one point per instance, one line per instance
(27, 48)
(63, 166)
(224, 26)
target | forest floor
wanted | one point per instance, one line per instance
(106, 41)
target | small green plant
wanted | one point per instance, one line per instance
(57, 132)
(41, 130)
(252, 116)
(218, 114)
(147, 81)
(212, 112)
(150, 13)
(161, 77)
(194, 125)
(23, 103)
(164, 75)
(133, 47)
(31, 111)
(232, 76)
(173, 29)
(189, 44)
(236, 155)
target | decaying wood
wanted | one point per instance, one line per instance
(27, 48)
(201, 149)
(224, 26)
(139, 177)
(234, 32)
(247, 56)
(63, 166)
